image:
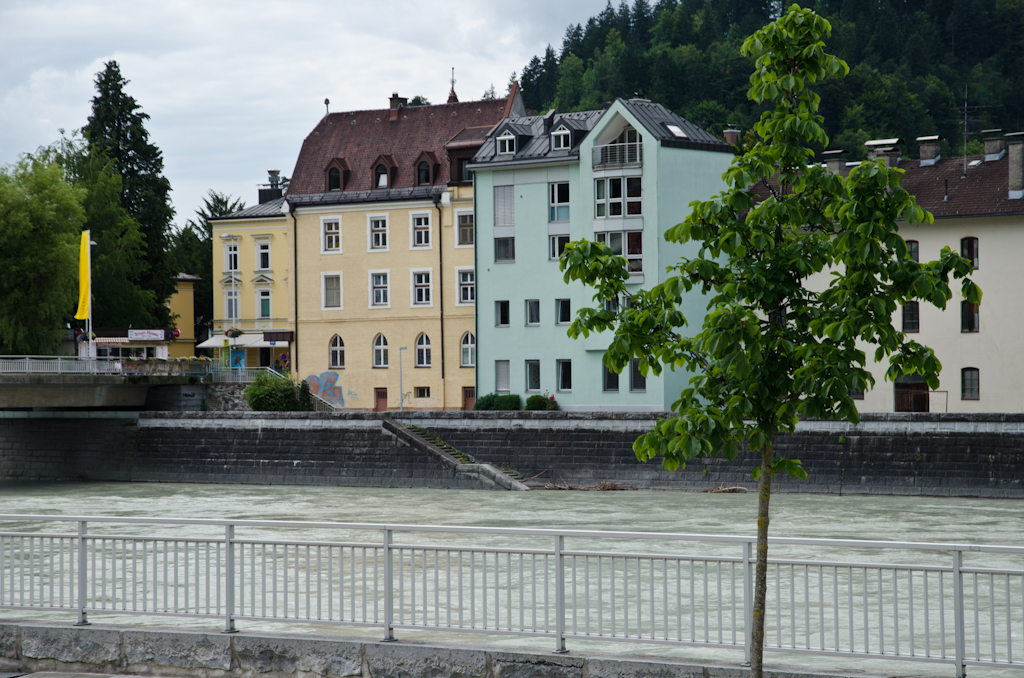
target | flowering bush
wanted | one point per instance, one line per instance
(233, 333)
(542, 402)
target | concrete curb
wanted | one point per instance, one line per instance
(34, 647)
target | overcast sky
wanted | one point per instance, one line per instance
(234, 87)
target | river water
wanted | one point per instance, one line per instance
(980, 521)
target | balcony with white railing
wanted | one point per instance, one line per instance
(619, 155)
(250, 324)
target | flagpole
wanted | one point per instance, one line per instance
(91, 350)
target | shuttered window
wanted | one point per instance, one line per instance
(504, 207)
(501, 376)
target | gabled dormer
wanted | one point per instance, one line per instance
(561, 138)
(510, 138)
(427, 168)
(385, 172)
(506, 143)
(336, 175)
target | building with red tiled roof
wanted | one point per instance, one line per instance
(381, 211)
(978, 205)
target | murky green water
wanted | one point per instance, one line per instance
(890, 518)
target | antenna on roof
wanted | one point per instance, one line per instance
(453, 78)
(327, 105)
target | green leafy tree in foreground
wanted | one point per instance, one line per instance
(41, 221)
(191, 251)
(776, 344)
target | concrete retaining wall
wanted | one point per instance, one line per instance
(31, 647)
(929, 454)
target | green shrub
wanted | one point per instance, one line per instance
(305, 396)
(493, 401)
(273, 394)
(541, 402)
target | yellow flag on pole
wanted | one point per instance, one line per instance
(83, 278)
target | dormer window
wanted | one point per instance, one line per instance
(334, 179)
(506, 143)
(561, 139)
(423, 174)
(380, 176)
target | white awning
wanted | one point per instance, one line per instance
(244, 341)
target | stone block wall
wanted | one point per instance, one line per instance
(56, 446)
(225, 398)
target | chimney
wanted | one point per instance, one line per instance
(929, 149)
(273, 190)
(995, 144)
(835, 162)
(397, 101)
(1015, 146)
(885, 149)
(732, 135)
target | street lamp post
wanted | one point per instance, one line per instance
(233, 306)
(401, 388)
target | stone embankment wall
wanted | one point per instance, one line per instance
(34, 647)
(921, 454)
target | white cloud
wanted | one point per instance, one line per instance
(234, 87)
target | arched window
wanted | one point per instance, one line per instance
(423, 351)
(380, 351)
(337, 352)
(380, 176)
(423, 173)
(468, 350)
(334, 179)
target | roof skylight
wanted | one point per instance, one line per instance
(676, 131)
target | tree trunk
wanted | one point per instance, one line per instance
(764, 493)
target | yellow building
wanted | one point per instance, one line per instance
(182, 305)
(252, 260)
(382, 209)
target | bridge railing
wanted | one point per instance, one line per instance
(956, 604)
(210, 371)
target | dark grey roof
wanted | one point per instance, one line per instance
(267, 209)
(376, 195)
(535, 140)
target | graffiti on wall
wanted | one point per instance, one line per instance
(326, 386)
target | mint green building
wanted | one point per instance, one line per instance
(622, 176)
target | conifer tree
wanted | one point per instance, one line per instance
(116, 126)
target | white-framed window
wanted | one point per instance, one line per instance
(423, 350)
(501, 384)
(466, 233)
(504, 206)
(419, 231)
(380, 289)
(331, 229)
(262, 255)
(231, 304)
(263, 305)
(380, 351)
(380, 176)
(504, 249)
(422, 288)
(557, 245)
(532, 375)
(563, 374)
(465, 279)
(506, 144)
(618, 196)
(501, 314)
(558, 202)
(610, 380)
(337, 353)
(637, 381)
(563, 312)
(332, 297)
(377, 233)
(628, 244)
(561, 138)
(533, 311)
(468, 345)
(231, 255)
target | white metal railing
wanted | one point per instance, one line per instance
(615, 155)
(682, 589)
(31, 364)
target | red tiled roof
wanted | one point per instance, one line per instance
(983, 192)
(359, 137)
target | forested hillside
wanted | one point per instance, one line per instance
(910, 63)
